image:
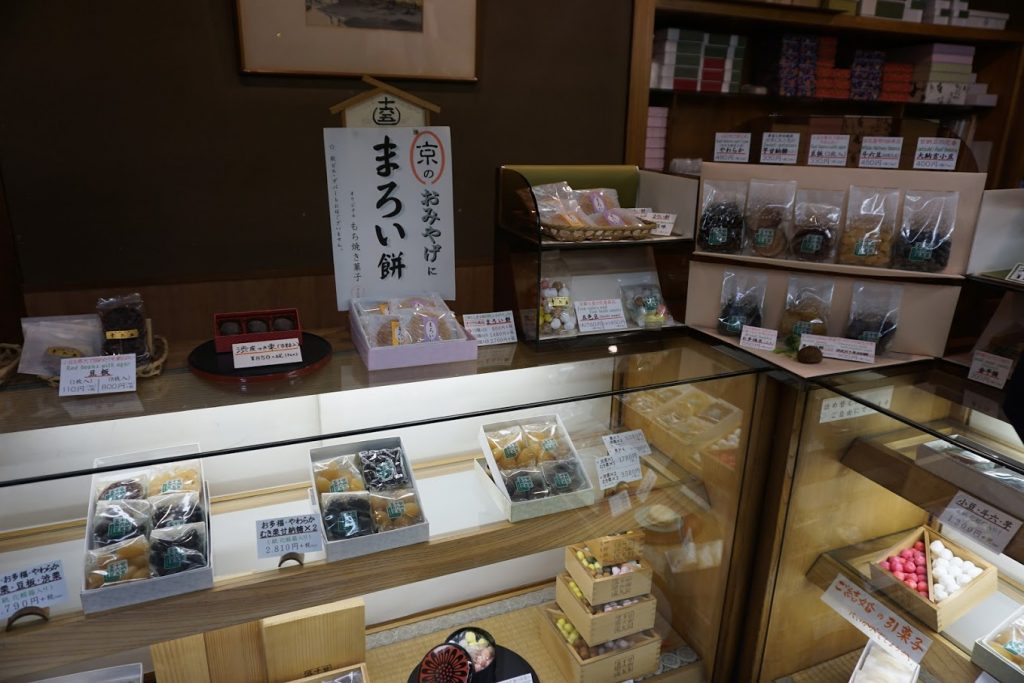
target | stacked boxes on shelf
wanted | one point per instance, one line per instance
(897, 82)
(843, 6)
(695, 60)
(902, 10)
(601, 629)
(830, 81)
(959, 13)
(657, 133)
(798, 62)
(866, 75)
(944, 74)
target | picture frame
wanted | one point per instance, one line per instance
(416, 39)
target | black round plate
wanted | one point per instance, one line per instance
(507, 664)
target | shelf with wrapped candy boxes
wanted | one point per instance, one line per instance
(632, 579)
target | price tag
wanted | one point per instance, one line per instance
(294, 534)
(97, 375)
(839, 408)
(990, 369)
(779, 148)
(841, 348)
(275, 352)
(491, 328)
(600, 315)
(880, 152)
(732, 147)
(937, 154)
(828, 150)
(632, 441)
(619, 503)
(874, 620)
(1016, 274)
(525, 678)
(975, 518)
(664, 221)
(41, 585)
(758, 338)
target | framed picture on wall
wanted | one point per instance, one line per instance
(429, 39)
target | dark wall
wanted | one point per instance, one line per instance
(134, 150)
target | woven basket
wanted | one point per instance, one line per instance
(589, 233)
(151, 369)
(10, 354)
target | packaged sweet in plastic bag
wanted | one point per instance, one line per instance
(177, 549)
(525, 484)
(870, 226)
(557, 205)
(177, 509)
(926, 231)
(644, 306)
(769, 216)
(544, 440)
(383, 468)
(874, 313)
(338, 475)
(556, 312)
(720, 227)
(124, 326)
(563, 476)
(1009, 642)
(119, 520)
(597, 200)
(808, 303)
(395, 509)
(817, 220)
(126, 561)
(346, 515)
(49, 339)
(174, 478)
(509, 448)
(123, 486)
(742, 301)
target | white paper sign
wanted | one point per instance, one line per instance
(990, 369)
(525, 678)
(987, 525)
(732, 147)
(97, 375)
(779, 148)
(600, 315)
(875, 620)
(491, 328)
(937, 154)
(880, 152)
(841, 348)
(836, 408)
(275, 352)
(1016, 274)
(664, 221)
(41, 585)
(828, 150)
(623, 443)
(294, 534)
(758, 338)
(392, 211)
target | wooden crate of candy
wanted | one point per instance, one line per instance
(616, 548)
(601, 623)
(147, 535)
(952, 581)
(622, 659)
(367, 498)
(601, 584)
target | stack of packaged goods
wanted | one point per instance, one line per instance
(958, 13)
(866, 75)
(657, 133)
(697, 61)
(943, 73)
(830, 81)
(897, 82)
(903, 10)
(798, 62)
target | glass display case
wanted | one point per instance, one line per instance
(697, 498)
(913, 466)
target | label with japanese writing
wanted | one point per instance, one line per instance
(664, 222)
(838, 408)
(758, 338)
(525, 678)
(623, 460)
(990, 369)
(875, 620)
(392, 211)
(294, 534)
(937, 154)
(732, 147)
(779, 148)
(275, 352)
(491, 328)
(828, 150)
(97, 375)
(975, 518)
(1016, 273)
(41, 585)
(623, 443)
(600, 315)
(840, 348)
(880, 152)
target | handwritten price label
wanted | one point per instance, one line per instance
(987, 525)
(275, 352)
(41, 585)
(732, 147)
(294, 534)
(758, 338)
(97, 375)
(828, 150)
(880, 152)
(779, 148)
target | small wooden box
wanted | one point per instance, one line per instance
(617, 549)
(640, 659)
(936, 615)
(604, 626)
(332, 675)
(601, 589)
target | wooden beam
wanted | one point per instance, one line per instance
(639, 81)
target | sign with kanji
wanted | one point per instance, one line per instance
(392, 211)
(983, 523)
(97, 375)
(294, 534)
(39, 586)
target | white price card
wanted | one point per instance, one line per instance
(758, 338)
(990, 369)
(491, 328)
(975, 518)
(732, 147)
(97, 375)
(293, 534)
(525, 678)
(632, 441)
(875, 620)
(1016, 273)
(41, 585)
(664, 222)
(880, 152)
(275, 352)
(937, 154)
(838, 408)
(600, 315)
(828, 150)
(840, 348)
(779, 148)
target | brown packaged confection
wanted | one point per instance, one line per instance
(767, 236)
(395, 509)
(545, 442)
(769, 216)
(597, 200)
(510, 449)
(808, 303)
(864, 243)
(390, 331)
(128, 561)
(431, 324)
(174, 478)
(338, 475)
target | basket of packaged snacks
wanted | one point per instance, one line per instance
(590, 215)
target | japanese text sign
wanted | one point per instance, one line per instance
(732, 147)
(779, 148)
(97, 375)
(392, 211)
(294, 534)
(275, 352)
(937, 154)
(828, 150)
(39, 586)
(985, 524)
(880, 152)
(491, 328)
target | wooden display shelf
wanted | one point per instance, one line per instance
(888, 274)
(817, 101)
(237, 599)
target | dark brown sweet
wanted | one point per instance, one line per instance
(176, 509)
(811, 355)
(383, 468)
(124, 331)
(525, 484)
(119, 520)
(230, 327)
(171, 553)
(563, 476)
(126, 489)
(256, 326)
(282, 324)
(347, 515)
